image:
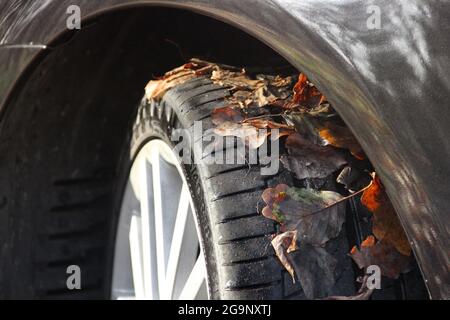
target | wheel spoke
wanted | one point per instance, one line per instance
(147, 227)
(194, 281)
(177, 238)
(136, 257)
(159, 225)
(157, 245)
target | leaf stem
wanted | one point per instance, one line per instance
(333, 204)
(263, 116)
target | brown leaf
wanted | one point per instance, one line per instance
(247, 92)
(382, 254)
(251, 136)
(272, 197)
(386, 225)
(308, 160)
(267, 124)
(308, 124)
(314, 266)
(226, 114)
(280, 82)
(316, 215)
(341, 137)
(280, 133)
(323, 127)
(363, 295)
(235, 80)
(315, 269)
(278, 244)
(305, 93)
(230, 121)
(156, 89)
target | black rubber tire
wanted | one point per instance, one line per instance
(240, 260)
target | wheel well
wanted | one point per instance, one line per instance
(106, 65)
(137, 44)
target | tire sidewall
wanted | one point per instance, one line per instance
(149, 128)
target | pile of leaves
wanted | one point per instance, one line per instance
(318, 144)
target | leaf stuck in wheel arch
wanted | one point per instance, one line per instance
(279, 245)
(382, 254)
(308, 160)
(310, 218)
(386, 225)
(317, 216)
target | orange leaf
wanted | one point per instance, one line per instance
(371, 196)
(305, 93)
(341, 137)
(386, 225)
(226, 114)
(383, 254)
(368, 242)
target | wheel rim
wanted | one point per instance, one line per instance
(158, 254)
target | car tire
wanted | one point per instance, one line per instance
(236, 237)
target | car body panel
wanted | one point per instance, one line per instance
(391, 86)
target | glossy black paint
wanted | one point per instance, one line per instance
(391, 85)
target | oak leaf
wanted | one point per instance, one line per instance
(323, 127)
(308, 160)
(231, 121)
(156, 89)
(316, 215)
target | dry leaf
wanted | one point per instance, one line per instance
(273, 197)
(267, 124)
(230, 121)
(315, 269)
(382, 254)
(341, 137)
(226, 114)
(305, 93)
(247, 92)
(235, 80)
(323, 127)
(251, 136)
(156, 89)
(386, 225)
(316, 215)
(278, 244)
(308, 160)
